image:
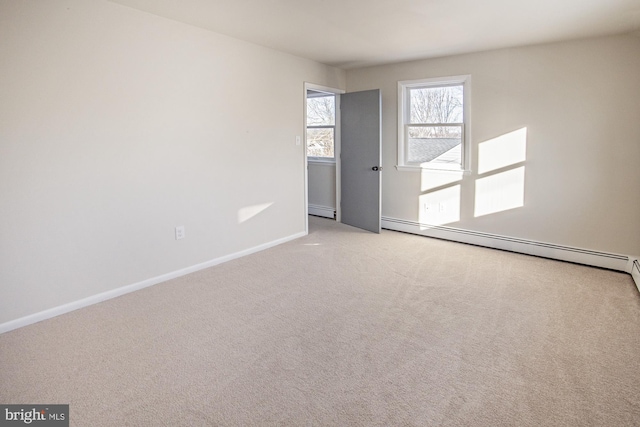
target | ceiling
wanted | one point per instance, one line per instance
(356, 33)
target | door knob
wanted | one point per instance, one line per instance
(376, 168)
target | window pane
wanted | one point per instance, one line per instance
(321, 111)
(320, 142)
(435, 144)
(436, 104)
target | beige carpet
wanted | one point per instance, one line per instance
(341, 328)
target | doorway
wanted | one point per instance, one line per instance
(343, 155)
(322, 151)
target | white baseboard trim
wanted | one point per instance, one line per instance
(319, 210)
(94, 299)
(635, 272)
(524, 246)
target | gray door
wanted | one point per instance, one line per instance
(360, 172)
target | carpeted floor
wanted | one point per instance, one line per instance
(346, 328)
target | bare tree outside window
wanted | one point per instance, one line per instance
(321, 121)
(321, 110)
(436, 105)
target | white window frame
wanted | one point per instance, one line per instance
(314, 159)
(403, 121)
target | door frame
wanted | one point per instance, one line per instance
(336, 148)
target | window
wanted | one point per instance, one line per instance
(433, 123)
(321, 125)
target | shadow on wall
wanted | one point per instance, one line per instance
(499, 185)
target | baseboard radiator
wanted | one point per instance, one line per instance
(529, 247)
(319, 210)
(635, 272)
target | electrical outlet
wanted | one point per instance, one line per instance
(443, 207)
(180, 234)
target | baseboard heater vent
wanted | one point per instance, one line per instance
(529, 247)
(635, 273)
(319, 210)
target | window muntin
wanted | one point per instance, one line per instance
(321, 124)
(432, 123)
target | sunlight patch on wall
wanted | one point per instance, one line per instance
(502, 151)
(500, 192)
(246, 213)
(440, 207)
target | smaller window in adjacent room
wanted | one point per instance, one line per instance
(321, 125)
(433, 123)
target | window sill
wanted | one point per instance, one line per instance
(320, 161)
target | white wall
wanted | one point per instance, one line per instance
(116, 126)
(579, 104)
